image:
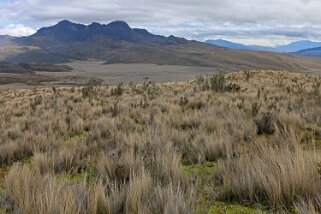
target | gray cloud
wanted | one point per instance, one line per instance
(282, 20)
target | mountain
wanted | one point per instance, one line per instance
(5, 40)
(68, 32)
(117, 42)
(297, 46)
(315, 52)
(228, 44)
(292, 47)
(70, 41)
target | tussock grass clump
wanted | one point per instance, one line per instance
(289, 125)
(265, 123)
(279, 176)
(117, 91)
(30, 192)
(26, 191)
(302, 207)
(217, 82)
(125, 148)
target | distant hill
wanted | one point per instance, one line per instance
(117, 42)
(298, 46)
(5, 40)
(228, 44)
(315, 52)
(292, 47)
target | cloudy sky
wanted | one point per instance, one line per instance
(264, 22)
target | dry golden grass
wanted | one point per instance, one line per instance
(121, 149)
(29, 192)
(278, 176)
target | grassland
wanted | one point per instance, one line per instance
(244, 142)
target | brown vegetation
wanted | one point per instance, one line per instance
(122, 149)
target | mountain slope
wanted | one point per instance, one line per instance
(5, 40)
(297, 46)
(315, 52)
(66, 32)
(118, 43)
(292, 47)
(228, 44)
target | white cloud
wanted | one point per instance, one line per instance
(16, 30)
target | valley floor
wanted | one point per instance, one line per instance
(244, 142)
(115, 73)
(86, 72)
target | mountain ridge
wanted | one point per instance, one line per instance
(289, 48)
(66, 31)
(5, 39)
(117, 42)
(312, 52)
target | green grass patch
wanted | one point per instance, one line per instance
(202, 176)
(199, 169)
(77, 137)
(87, 176)
(207, 192)
(228, 208)
(311, 138)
